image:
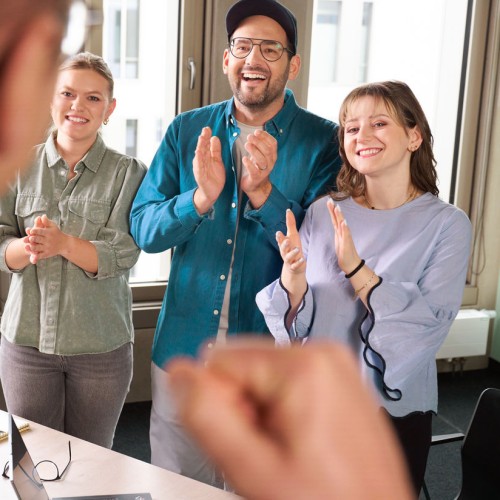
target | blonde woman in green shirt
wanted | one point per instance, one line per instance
(66, 350)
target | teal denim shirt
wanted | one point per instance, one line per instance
(54, 305)
(163, 216)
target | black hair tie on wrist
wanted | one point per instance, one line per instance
(357, 268)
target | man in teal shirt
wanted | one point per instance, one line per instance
(217, 190)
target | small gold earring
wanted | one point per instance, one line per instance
(106, 121)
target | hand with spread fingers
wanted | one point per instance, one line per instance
(209, 171)
(263, 150)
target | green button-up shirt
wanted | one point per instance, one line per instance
(54, 305)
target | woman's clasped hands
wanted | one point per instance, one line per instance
(43, 240)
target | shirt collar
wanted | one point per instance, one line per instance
(91, 160)
(279, 123)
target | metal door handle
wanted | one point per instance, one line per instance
(192, 71)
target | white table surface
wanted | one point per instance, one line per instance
(98, 471)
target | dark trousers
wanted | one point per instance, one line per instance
(415, 434)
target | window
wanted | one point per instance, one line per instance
(140, 45)
(393, 40)
(325, 42)
(122, 37)
(131, 138)
(365, 41)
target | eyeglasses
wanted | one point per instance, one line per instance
(50, 472)
(271, 50)
(76, 29)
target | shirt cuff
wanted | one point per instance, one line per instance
(3, 248)
(272, 213)
(186, 211)
(106, 261)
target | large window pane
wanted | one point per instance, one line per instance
(325, 41)
(132, 40)
(140, 45)
(419, 42)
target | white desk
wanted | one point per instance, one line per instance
(98, 471)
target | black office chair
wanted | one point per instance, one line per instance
(480, 450)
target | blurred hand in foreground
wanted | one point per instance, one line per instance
(289, 423)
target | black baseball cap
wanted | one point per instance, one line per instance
(269, 8)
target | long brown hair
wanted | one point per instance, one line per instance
(405, 108)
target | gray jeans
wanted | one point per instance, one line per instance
(81, 395)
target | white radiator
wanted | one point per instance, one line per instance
(468, 335)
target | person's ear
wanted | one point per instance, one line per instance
(295, 63)
(26, 88)
(225, 61)
(415, 136)
(111, 108)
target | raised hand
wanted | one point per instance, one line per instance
(208, 170)
(345, 250)
(291, 247)
(293, 274)
(263, 150)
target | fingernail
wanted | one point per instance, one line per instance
(295, 250)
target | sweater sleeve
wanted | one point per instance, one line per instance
(407, 322)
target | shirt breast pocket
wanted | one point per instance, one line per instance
(28, 208)
(86, 217)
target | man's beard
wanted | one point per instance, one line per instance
(272, 92)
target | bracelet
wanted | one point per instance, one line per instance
(356, 292)
(356, 269)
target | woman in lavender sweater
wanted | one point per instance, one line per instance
(386, 261)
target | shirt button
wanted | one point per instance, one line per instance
(63, 172)
(229, 241)
(235, 134)
(216, 312)
(50, 321)
(222, 277)
(233, 205)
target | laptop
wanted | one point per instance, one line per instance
(26, 481)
